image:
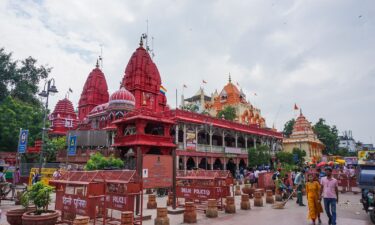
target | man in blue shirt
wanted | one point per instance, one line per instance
(299, 181)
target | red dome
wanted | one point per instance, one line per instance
(63, 118)
(121, 100)
(95, 92)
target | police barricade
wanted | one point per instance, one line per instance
(200, 185)
(92, 193)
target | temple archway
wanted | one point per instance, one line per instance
(190, 163)
(231, 166)
(242, 164)
(204, 164)
(218, 165)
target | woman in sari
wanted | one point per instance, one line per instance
(313, 196)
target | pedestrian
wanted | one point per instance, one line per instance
(56, 175)
(313, 199)
(16, 176)
(288, 184)
(299, 181)
(36, 177)
(330, 194)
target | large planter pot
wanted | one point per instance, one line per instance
(14, 217)
(49, 218)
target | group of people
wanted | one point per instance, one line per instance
(318, 186)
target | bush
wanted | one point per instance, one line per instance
(99, 162)
(40, 195)
(285, 157)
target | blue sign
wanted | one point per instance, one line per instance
(22, 142)
(72, 145)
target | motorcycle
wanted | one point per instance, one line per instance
(369, 203)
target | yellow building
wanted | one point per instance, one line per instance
(303, 137)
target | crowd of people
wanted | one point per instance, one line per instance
(320, 186)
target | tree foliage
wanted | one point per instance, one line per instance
(19, 106)
(285, 157)
(298, 156)
(20, 79)
(53, 146)
(190, 107)
(16, 114)
(99, 162)
(229, 113)
(328, 135)
(288, 127)
(259, 156)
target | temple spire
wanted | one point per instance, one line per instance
(97, 63)
(230, 79)
(141, 42)
(300, 111)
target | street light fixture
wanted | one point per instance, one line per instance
(49, 87)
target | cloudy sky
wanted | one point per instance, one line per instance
(319, 54)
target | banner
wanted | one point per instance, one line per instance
(366, 157)
(72, 145)
(22, 143)
(191, 140)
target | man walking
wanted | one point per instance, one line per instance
(299, 181)
(330, 194)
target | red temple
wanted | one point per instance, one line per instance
(63, 118)
(137, 120)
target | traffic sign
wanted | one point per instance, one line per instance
(22, 142)
(72, 145)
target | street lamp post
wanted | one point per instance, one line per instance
(49, 87)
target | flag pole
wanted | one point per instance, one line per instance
(176, 98)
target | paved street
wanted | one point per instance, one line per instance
(349, 212)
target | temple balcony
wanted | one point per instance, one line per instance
(144, 139)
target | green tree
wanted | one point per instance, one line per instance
(299, 155)
(16, 114)
(229, 113)
(328, 135)
(285, 158)
(190, 107)
(288, 127)
(20, 79)
(99, 162)
(259, 156)
(53, 146)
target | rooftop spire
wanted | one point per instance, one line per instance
(230, 79)
(300, 111)
(141, 42)
(97, 63)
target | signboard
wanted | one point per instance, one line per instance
(366, 157)
(202, 193)
(159, 171)
(74, 204)
(22, 143)
(72, 145)
(232, 150)
(191, 140)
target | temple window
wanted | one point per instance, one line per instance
(130, 130)
(154, 129)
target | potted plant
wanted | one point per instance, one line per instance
(40, 195)
(14, 217)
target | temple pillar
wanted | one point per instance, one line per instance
(225, 164)
(196, 137)
(223, 139)
(236, 139)
(176, 134)
(245, 142)
(211, 134)
(184, 163)
(184, 131)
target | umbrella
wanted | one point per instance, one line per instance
(321, 164)
(331, 163)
